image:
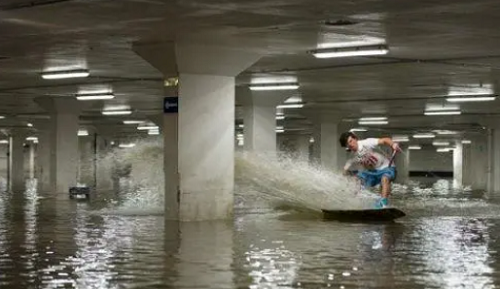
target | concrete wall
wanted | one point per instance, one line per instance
(428, 159)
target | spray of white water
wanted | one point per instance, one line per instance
(298, 184)
(279, 182)
(143, 191)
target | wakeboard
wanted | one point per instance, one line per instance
(369, 215)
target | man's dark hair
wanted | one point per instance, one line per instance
(344, 136)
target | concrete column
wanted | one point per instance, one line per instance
(86, 168)
(199, 134)
(477, 170)
(64, 151)
(64, 118)
(466, 164)
(199, 150)
(18, 178)
(494, 160)
(43, 158)
(259, 118)
(260, 128)
(32, 152)
(402, 162)
(105, 164)
(326, 147)
(4, 165)
(458, 161)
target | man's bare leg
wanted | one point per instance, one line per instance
(386, 187)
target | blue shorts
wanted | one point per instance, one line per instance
(371, 178)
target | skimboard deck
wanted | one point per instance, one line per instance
(371, 215)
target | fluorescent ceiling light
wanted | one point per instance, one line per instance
(241, 125)
(444, 150)
(32, 138)
(444, 132)
(471, 98)
(373, 118)
(294, 99)
(424, 135)
(83, 132)
(343, 40)
(125, 145)
(116, 112)
(280, 130)
(358, 129)
(280, 117)
(470, 90)
(65, 74)
(95, 96)
(94, 91)
(4, 141)
(291, 105)
(2, 117)
(29, 124)
(440, 143)
(400, 138)
(154, 132)
(414, 147)
(350, 51)
(447, 107)
(133, 121)
(147, 127)
(373, 122)
(274, 86)
(117, 107)
(443, 112)
(466, 141)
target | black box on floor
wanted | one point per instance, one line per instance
(79, 193)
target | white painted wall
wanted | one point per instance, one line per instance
(429, 160)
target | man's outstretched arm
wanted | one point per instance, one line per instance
(388, 142)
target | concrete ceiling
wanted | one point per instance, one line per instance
(434, 45)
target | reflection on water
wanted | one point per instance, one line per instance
(46, 243)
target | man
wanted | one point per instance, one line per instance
(378, 169)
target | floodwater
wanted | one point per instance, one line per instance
(449, 239)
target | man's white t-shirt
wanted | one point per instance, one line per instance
(367, 157)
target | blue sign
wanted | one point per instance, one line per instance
(171, 104)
